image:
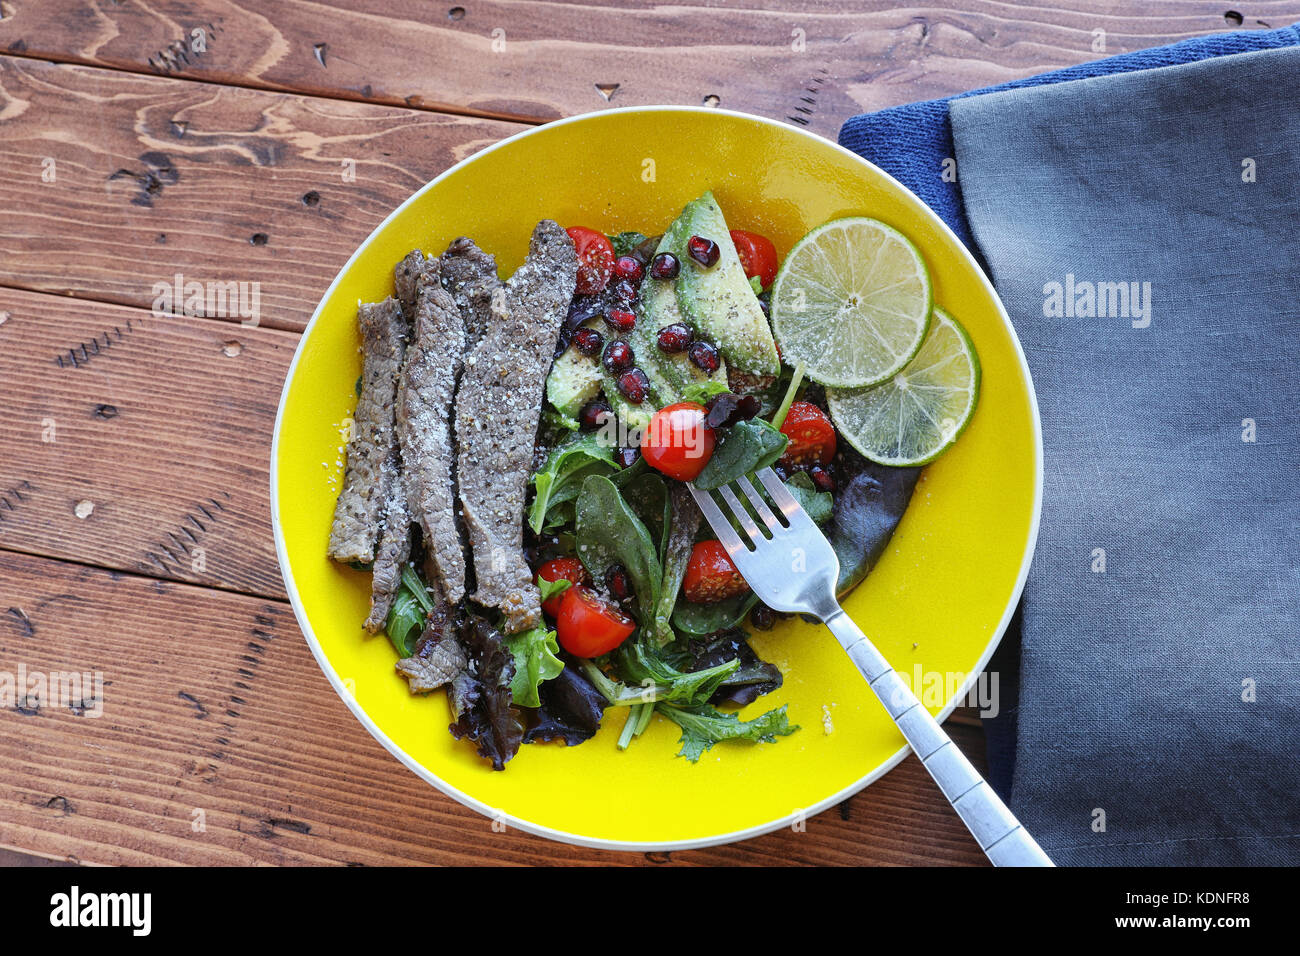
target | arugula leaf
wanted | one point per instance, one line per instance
(567, 466)
(746, 447)
(625, 242)
(609, 532)
(704, 726)
(638, 664)
(819, 504)
(702, 620)
(535, 652)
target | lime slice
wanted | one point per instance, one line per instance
(851, 302)
(917, 414)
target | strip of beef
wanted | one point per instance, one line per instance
(358, 515)
(470, 275)
(406, 279)
(498, 406)
(439, 656)
(424, 426)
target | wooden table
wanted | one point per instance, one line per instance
(144, 138)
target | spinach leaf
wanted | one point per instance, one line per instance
(819, 504)
(567, 466)
(609, 532)
(535, 652)
(701, 392)
(704, 726)
(684, 522)
(701, 620)
(410, 608)
(748, 446)
(648, 495)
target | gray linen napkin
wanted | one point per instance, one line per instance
(1144, 232)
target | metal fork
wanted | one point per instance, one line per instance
(792, 567)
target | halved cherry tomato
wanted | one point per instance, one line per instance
(757, 255)
(561, 569)
(595, 259)
(588, 625)
(710, 575)
(678, 442)
(811, 434)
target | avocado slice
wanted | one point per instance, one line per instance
(671, 373)
(718, 301)
(574, 379)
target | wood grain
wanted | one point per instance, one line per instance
(212, 702)
(153, 177)
(139, 442)
(814, 62)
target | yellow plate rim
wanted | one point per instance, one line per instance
(574, 839)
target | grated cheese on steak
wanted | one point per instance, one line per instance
(470, 275)
(424, 425)
(359, 512)
(498, 405)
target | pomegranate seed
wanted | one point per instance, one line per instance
(704, 251)
(618, 356)
(762, 617)
(594, 414)
(626, 457)
(781, 472)
(665, 266)
(620, 320)
(588, 341)
(617, 582)
(705, 356)
(822, 477)
(625, 290)
(634, 385)
(675, 337)
(630, 268)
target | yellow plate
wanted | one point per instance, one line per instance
(935, 605)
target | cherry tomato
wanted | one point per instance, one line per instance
(561, 569)
(811, 434)
(710, 575)
(588, 625)
(595, 259)
(678, 442)
(757, 255)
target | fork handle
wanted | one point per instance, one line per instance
(995, 828)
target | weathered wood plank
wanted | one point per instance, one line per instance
(815, 62)
(213, 710)
(138, 442)
(217, 184)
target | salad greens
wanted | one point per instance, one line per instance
(704, 726)
(609, 533)
(747, 447)
(536, 655)
(407, 615)
(560, 478)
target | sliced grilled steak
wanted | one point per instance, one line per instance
(470, 275)
(438, 656)
(498, 405)
(358, 515)
(406, 278)
(424, 426)
(394, 545)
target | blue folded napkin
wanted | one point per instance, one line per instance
(911, 142)
(1159, 711)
